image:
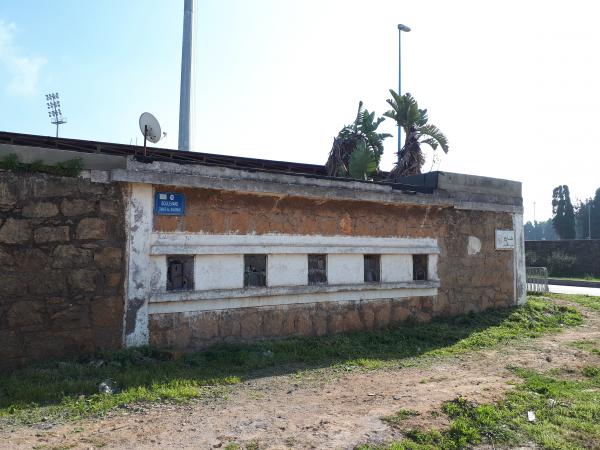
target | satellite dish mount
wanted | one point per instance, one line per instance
(150, 128)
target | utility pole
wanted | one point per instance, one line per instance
(187, 62)
(589, 208)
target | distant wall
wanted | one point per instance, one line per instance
(586, 252)
(62, 258)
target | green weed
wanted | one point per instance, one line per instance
(66, 390)
(586, 345)
(400, 416)
(585, 300)
(69, 168)
(567, 417)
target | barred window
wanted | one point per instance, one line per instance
(317, 269)
(180, 273)
(372, 268)
(255, 270)
(420, 267)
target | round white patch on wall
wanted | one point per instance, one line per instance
(474, 245)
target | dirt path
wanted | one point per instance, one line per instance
(288, 411)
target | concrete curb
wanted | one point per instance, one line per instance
(578, 283)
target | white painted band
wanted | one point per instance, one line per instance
(179, 243)
(197, 301)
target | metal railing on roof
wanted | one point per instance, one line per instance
(185, 157)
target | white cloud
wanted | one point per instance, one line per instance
(23, 70)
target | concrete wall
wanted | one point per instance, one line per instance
(286, 269)
(586, 252)
(62, 255)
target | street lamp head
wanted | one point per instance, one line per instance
(403, 28)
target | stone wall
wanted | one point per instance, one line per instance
(62, 253)
(586, 252)
(185, 331)
(474, 275)
(470, 282)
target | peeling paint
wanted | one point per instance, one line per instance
(133, 307)
(519, 260)
(139, 275)
(473, 245)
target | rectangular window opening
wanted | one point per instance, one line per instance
(372, 268)
(180, 273)
(255, 270)
(317, 269)
(420, 267)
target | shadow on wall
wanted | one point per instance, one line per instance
(148, 374)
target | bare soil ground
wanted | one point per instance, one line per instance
(317, 409)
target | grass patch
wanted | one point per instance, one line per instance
(400, 416)
(587, 345)
(589, 301)
(584, 278)
(567, 417)
(69, 389)
(532, 320)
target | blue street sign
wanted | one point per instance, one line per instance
(169, 204)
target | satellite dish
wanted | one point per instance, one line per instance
(150, 127)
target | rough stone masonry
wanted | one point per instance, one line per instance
(61, 251)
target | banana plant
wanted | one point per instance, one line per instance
(414, 121)
(359, 142)
(362, 164)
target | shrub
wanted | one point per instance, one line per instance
(533, 260)
(69, 168)
(560, 264)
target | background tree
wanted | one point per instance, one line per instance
(596, 215)
(357, 149)
(587, 215)
(540, 231)
(405, 111)
(581, 218)
(563, 215)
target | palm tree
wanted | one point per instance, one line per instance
(405, 111)
(358, 147)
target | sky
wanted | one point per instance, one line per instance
(514, 85)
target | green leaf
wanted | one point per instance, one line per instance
(362, 164)
(434, 133)
(431, 142)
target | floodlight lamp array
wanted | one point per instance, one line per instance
(53, 105)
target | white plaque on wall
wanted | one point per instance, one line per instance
(505, 239)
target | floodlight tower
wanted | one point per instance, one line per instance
(54, 112)
(187, 62)
(406, 29)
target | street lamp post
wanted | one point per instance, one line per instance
(589, 208)
(401, 28)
